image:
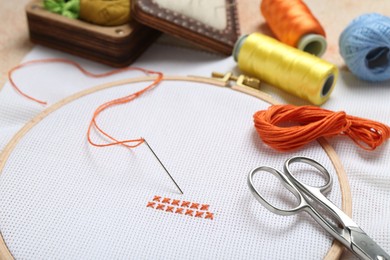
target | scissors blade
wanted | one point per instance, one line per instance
(366, 248)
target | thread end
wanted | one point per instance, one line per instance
(327, 87)
(237, 46)
(313, 43)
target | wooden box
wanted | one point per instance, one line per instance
(117, 46)
(218, 33)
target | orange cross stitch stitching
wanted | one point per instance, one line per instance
(166, 200)
(189, 212)
(169, 209)
(157, 198)
(175, 202)
(199, 214)
(187, 208)
(160, 206)
(209, 215)
(204, 207)
(185, 204)
(150, 205)
(179, 211)
(194, 205)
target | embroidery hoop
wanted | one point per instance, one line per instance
(335, 250)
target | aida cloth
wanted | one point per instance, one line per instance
(61, 198)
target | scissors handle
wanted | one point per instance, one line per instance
(350, 235)
(295, 186)
(286, 182)
(301, 159)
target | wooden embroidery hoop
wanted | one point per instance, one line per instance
(334, 251)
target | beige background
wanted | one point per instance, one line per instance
(14, 45)
(14, 42)
(333, 15)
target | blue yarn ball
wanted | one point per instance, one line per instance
(365, 47)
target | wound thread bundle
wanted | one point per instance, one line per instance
(310, 123)
(365, 47)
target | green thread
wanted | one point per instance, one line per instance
(67, 8)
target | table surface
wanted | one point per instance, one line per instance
(368, 172)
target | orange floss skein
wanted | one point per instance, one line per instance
(310, 123)
(293, 23)
(130, 143)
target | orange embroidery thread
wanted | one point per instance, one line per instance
(166, 200)
(189, 212)
(66, 61)
(205, 207)
(314, 122)
(157, 198)
(187, 208)
(209, 215)
(169, 209)
(185, 204)
(150, 205)
(179, 210)
(176, 202)
(199, 214)
(160, 206)
(194, 206)
(130, 143)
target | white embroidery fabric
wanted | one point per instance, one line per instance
(61, 198)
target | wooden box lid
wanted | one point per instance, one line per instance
(210, 24)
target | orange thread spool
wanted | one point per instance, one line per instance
(314, 122)
(293, 23)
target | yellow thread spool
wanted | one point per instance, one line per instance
(297, 72)
(106, 13)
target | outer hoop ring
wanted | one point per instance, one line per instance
(334, 251)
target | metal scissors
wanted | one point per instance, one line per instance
(348, 233)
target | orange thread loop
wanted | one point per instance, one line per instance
(310, 123)
(60, 60)
(131, 143)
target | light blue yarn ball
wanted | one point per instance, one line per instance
(365, 47)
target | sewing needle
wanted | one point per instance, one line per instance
(155, 155)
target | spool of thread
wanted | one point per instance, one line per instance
(293, 23)
(365, 47)
(297, 72)
(106, 13)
